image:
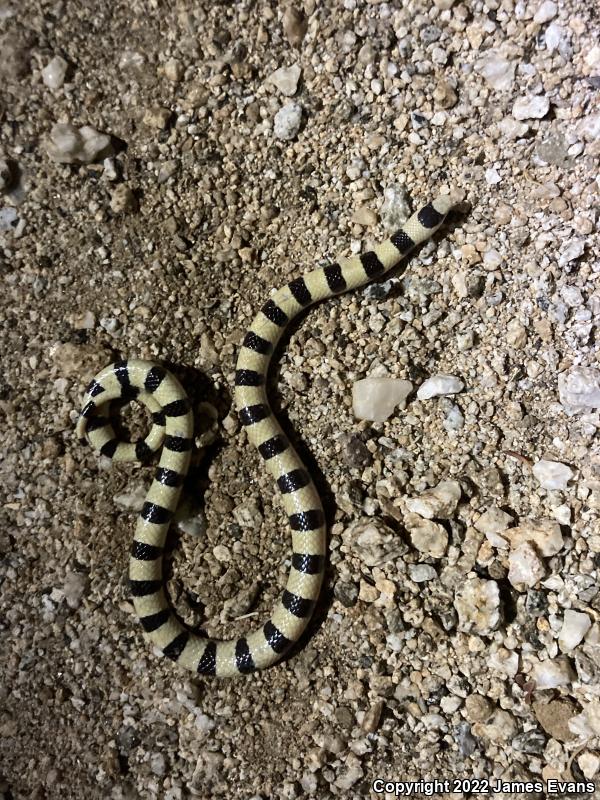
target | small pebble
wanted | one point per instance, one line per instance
(421, 573)
(544, 534)
(575, 626)
(439, 385)
(122, 199)
(454, 419)
(552, 673)
(552, 474)
(498, 72)
(375, 399)
(54, 73)
(579, 389)
(545, 12)
(427, 537)
(532, 107)
(525, 567)
(493, 523)
(157, 118)
(439, 502)
(69, 145)
(287, 121)
(478, 605)
(286, 79)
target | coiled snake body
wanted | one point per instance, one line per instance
(172, 430)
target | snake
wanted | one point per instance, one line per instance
(171, 433)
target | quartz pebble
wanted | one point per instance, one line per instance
(493, 523)
(589, 764)
(544, 534)
(439, 502)
(552, 474)
(286, 79)
(439, 385)
(579, 389)
(375, 399)
(420, 573)
(545, 12)
(552, 673)
(498, 71)
(525, 567)
(287, 121)
(478, 605)
(427, 537)
(533, 107)
(575, 626)
(69, 145)
(54, 73)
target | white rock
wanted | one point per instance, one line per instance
(9, 218)
(69, 145)
(427, 537)
(439, 502)
(575, 626)
(439, 385)
(589, 127)
(478, 605)
(544, 534)
(420, 573)
(54, 73)
(496, 70)
(525, 567)
(552, 474)
(546, 11)
(492, 523)
(492, 177)
(375, 399)
(287, 121)
(573, 250)
(589, 764)
(286, 79)
(579, 388)
(554, 37)
(505, 661)
(512, 128)
(562, 514)
(531, 107)
(552, 673)
(454, 420)
(572, 296)
(592, 57)
(110, 169)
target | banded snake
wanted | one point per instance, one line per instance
(172, 430)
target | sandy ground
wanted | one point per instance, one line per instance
(441, 648)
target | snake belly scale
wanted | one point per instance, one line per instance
(172, 433)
